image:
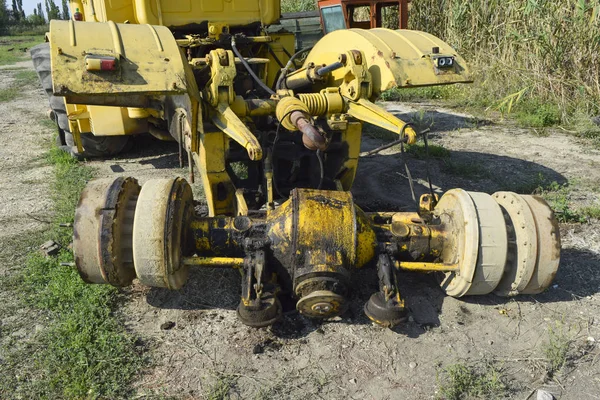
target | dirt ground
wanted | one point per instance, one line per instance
(208, 351)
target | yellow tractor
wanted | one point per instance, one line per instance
(274, 137)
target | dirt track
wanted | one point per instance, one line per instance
(349, 357)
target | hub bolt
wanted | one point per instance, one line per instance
(322, 308)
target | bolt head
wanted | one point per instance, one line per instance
(321, 308)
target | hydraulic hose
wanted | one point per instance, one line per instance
(249, 68)
(290, 62)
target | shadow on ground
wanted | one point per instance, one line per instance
(437, 122)
(147, 150)
(381, 182)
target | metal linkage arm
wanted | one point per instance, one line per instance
(364, 110)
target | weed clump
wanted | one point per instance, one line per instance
(459, 382)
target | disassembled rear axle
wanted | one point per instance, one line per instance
(309, 246)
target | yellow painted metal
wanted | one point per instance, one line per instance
(226, 120)
(216, 29)
(214, 262)
(220, 87)
(220, 95)
(401, 58)
(187, 12)
(352, 136)
(149, 62)
(241, 207)
(138, 113)
(286, 107)
(331, 101)
(324, 227)
(103, 121)
(112, 121)
(218, 188)
(328, 101)
(330, 227)
(214, 235)
(425, 266)
(356, 81)
(364, 110)
(102, 11)
(253, 107)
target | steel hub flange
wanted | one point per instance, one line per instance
(102, 230)
(522, 249)
(321, 304)
(548, 245)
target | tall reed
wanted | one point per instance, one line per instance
(542, 51)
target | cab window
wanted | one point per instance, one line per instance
(389, 15)
(360, 16)
(333, 18)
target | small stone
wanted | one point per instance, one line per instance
(257, 349)
(554, 286)
(544, 395)
(590, 339)
(50, 248)
(165, 326)
(490, 342)
(412, 365)
(353, 381)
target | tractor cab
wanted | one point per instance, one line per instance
(344, 14)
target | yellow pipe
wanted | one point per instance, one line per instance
(214, 262)
(425, 266)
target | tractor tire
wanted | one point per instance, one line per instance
(93, 146)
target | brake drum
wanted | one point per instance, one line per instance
(476, 241)
(102, 231)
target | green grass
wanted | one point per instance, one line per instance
(559, 198)
(9, 94)
(19, 46)
(25, 76)
(220, 389)
(535, 115)
(21, 78)
(459, 382)
(590, 212)
(556, 349)
(83, 351)
(418, 94)
(418, 151)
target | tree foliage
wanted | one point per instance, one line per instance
(52, 10)
(65, 10)
(3, 16)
